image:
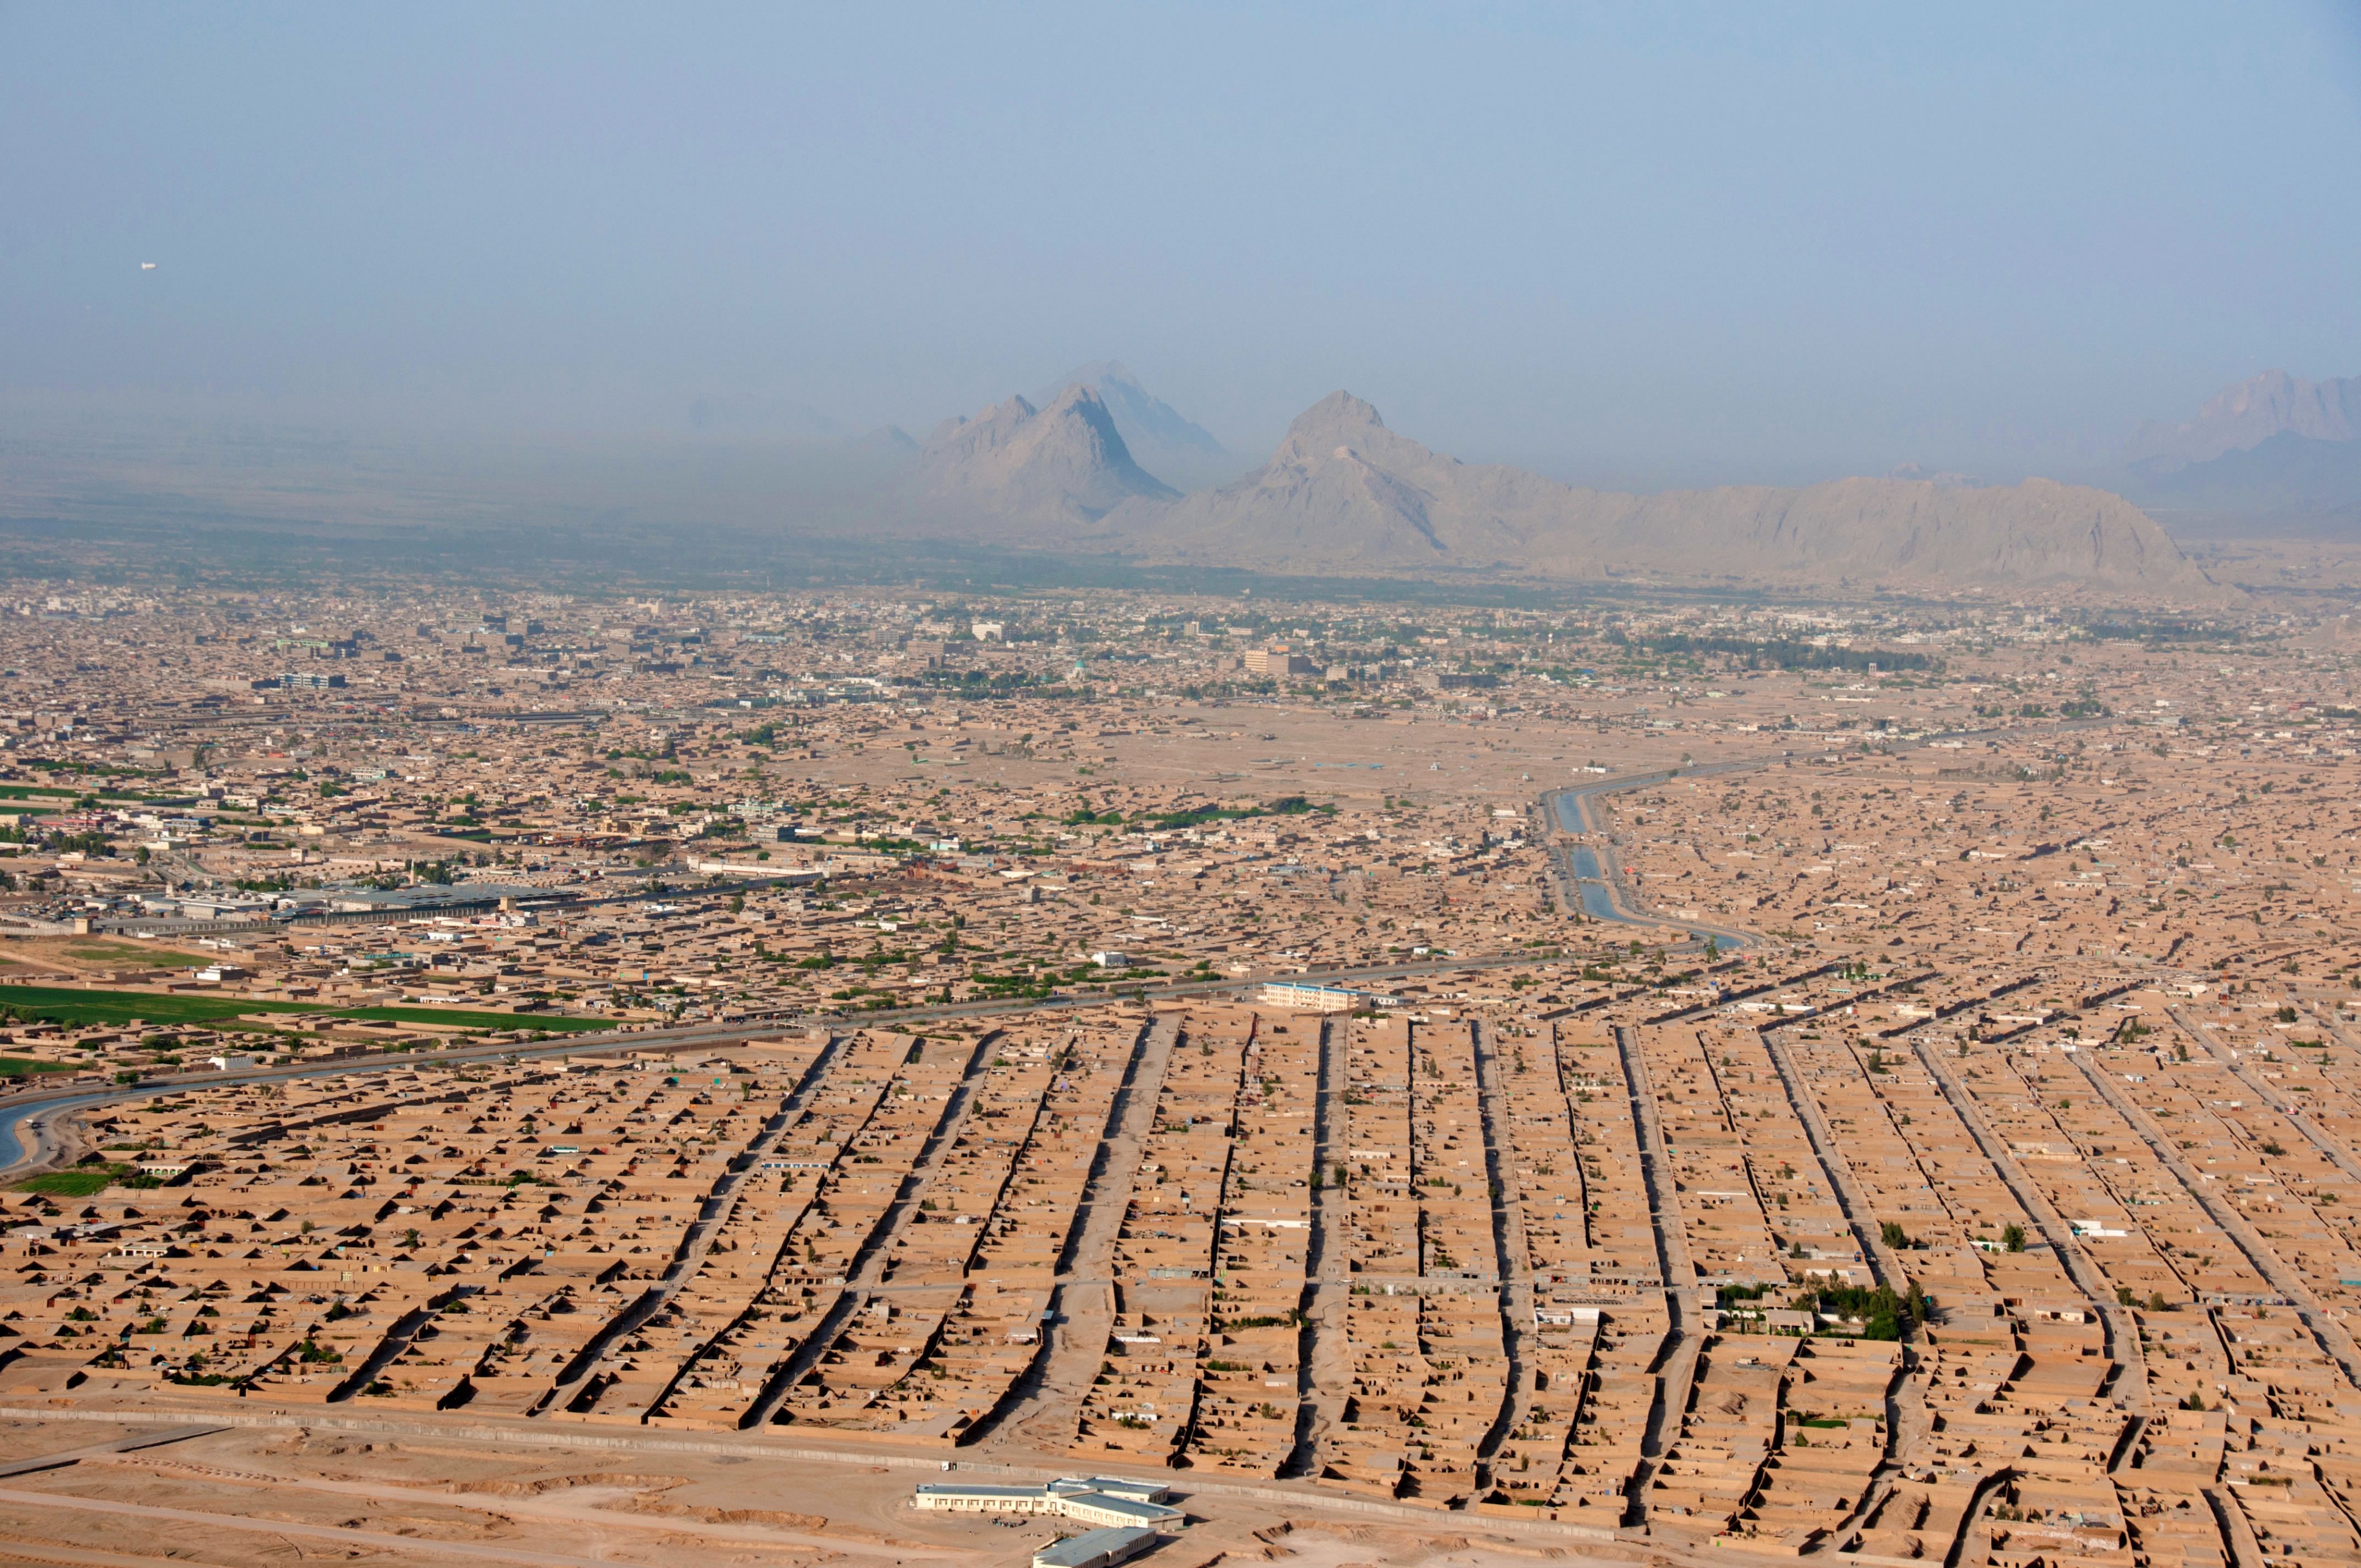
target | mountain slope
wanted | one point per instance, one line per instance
(2038, 532)
(2286, 469)
(1030, 470)
(2290, 487)
(1343, 491)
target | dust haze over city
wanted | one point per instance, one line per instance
(1378, 787)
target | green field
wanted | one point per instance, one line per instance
(137, 953)
(39, 797)
(18, 1066)
(86, 1180)
(61, 1004)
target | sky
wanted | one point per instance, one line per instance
(1637, 245)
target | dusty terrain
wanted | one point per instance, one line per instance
(1616, 1084)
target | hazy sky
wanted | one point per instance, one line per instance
(1632, 242)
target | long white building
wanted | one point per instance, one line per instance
(1101, 1501)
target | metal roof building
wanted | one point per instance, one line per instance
(1098, 1500)
(1094, 1549)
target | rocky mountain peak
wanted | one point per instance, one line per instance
(1066, 461)
(1336, 420)
(2245, 414)
(1160, 438)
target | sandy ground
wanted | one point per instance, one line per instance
(1255, 748)
(295, 1493)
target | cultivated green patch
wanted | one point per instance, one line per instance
(87, 1180)
(61, 1004)
(130, 953)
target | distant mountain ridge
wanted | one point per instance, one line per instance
(2283, 471)
(2242, 416)
(2271, 457)
(1343, 491)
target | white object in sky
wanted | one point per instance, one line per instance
(147, 266)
